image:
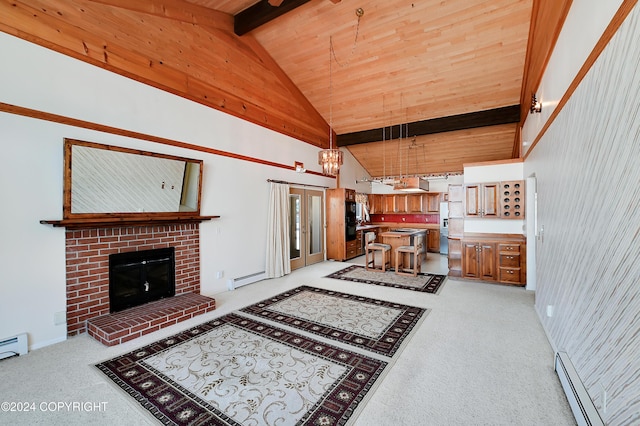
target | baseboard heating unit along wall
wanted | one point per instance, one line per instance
(244, 280)
(581, 404)
(12, 346)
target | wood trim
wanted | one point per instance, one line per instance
(547, 19)
(121, 220)
(55, 118)
(492, 117)
(623, 11)
(494, 163)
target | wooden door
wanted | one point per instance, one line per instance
(490, 200)
(470, 266)
(433, 202)
(433, 240)
(415, 203)
(472, 206)
(306, 234)
(375, 204)
(487, 261)
(389, 204)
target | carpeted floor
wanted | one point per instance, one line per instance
(426, 283)
(244, 368)
(480, 358)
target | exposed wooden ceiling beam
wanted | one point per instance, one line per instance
(492, 117)
(261, 13)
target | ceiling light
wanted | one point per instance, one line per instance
(330, 159)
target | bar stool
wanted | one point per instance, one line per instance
(415, 253)
(372, 246)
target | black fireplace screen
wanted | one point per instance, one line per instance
(140, 277)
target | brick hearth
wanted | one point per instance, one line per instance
(132, 323)
(87, 260)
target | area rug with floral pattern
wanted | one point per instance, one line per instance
(423, 282)
(371, 324)
(267, 364)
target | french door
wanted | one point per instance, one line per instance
(306, 233)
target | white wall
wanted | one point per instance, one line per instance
(585, 24)
(493, 173)
(586, 168)
(32, 261)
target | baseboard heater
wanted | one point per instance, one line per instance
(581, 404)
(12, 346)
(244, 280)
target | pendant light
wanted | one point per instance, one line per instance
(330, 159)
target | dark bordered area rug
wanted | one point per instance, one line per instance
(426, 283)
(238, 371)
(371, 324)
(307, 356)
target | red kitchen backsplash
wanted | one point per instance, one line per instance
(405, 218)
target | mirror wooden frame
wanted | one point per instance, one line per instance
(167, 215)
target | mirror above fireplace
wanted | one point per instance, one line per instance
(107, 181)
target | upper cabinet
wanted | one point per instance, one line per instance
(494, 200)
(433, 202)
(376, 203)
(417, 203)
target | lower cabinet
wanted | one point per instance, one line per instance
(494, 257)
(479, 260)
(433, 240)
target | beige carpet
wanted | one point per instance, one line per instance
(480, 358)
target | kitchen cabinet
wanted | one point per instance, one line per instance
(495, 257)
(512, 199)
(481, 200)
(479, 260)
(389, 204)
(400, 203)
(433, 202)
(415, 203)
(504, 200)
(512, 263)
(433, 240)
(338, 247)
(376, 204)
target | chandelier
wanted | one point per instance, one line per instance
(330, 159)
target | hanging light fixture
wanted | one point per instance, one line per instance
(330, 159)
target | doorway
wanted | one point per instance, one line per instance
(306, 210)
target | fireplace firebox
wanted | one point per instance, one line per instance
(139, 277)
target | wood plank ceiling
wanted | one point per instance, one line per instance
(404, 61)
(410, 87)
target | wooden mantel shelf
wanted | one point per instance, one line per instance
(113, 222)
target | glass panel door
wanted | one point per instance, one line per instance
(306, 227)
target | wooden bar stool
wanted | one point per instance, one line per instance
(373, 247)
(414, 252)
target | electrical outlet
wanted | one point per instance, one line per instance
(219, 274)
(549, 311)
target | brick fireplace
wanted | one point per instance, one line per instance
(87, 263)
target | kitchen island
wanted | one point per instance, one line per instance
(401, 237)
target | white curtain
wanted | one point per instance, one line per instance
(278, 263)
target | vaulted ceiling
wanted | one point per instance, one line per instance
(402, 63)
(409, 87)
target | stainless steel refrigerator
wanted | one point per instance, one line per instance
(444, 228)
